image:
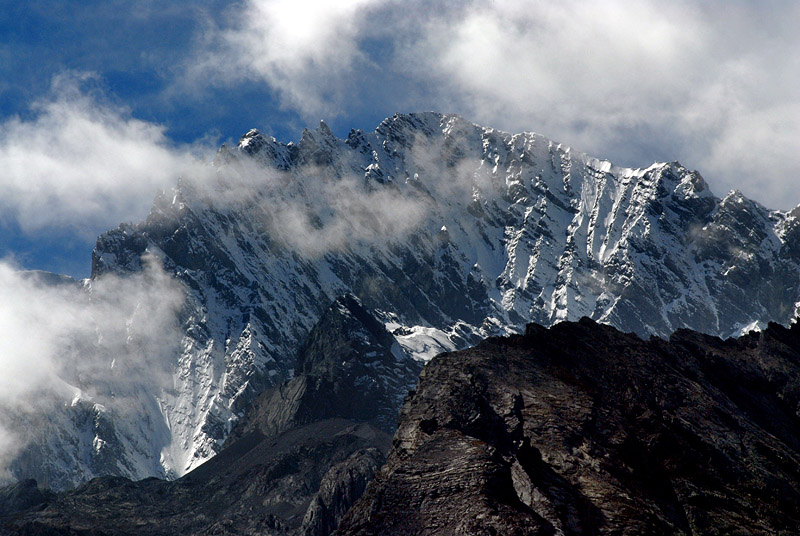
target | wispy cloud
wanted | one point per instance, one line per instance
(102, 341)
(45, 323)
(343, 214)
(80, 161)
(712, 84)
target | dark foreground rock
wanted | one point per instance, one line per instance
(574, 430)
(581, 429)
(22, 495)
(298, 460)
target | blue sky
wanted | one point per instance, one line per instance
(95, 95)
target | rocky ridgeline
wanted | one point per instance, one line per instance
(448, 231)
(575, 429)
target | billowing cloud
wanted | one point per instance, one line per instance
(307, 51)
(568, 66)
(82, 162)
(712, 84)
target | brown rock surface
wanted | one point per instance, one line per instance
(581, 429)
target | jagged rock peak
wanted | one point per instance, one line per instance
(346, 331)
(349, 367)
(253, 140)
(322, 134)
(252, 133)
(535, 232)
(423, 122)
(324, 129)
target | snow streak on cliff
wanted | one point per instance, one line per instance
(449, 232)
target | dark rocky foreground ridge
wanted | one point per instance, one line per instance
(581, 429)
(575, 429)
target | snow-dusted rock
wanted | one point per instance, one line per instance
(450, 232)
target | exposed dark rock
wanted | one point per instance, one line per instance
(581, 429)
(23, 495)
(349, 367)
(576, 429)
(343, 484)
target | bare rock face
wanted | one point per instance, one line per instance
(581, 429)
(342, 485)
(22, 496)
(575, 429)
(349, 367)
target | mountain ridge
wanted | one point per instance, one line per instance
(572, 429)
(450, 232)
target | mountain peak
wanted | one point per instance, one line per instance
(534, 233)
(324, 129)
(252, 141)
(345, 334)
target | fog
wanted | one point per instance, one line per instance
(100, 341)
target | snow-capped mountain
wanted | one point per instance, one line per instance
(448, 232)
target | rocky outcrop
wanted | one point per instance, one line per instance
(343, 484)
(349, 367)
(581, 429)
(575, 429)
(24, 495)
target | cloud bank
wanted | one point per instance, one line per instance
(46, 324)
(712, 84)
(709, 84)
(82, 162)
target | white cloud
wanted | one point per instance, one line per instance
(314, 210)
(343, 214)
(101, 340)
(712, 84)
(82, 162)
(57, 336)
(307, 51)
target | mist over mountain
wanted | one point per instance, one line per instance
(448, 231)
(294, 464)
